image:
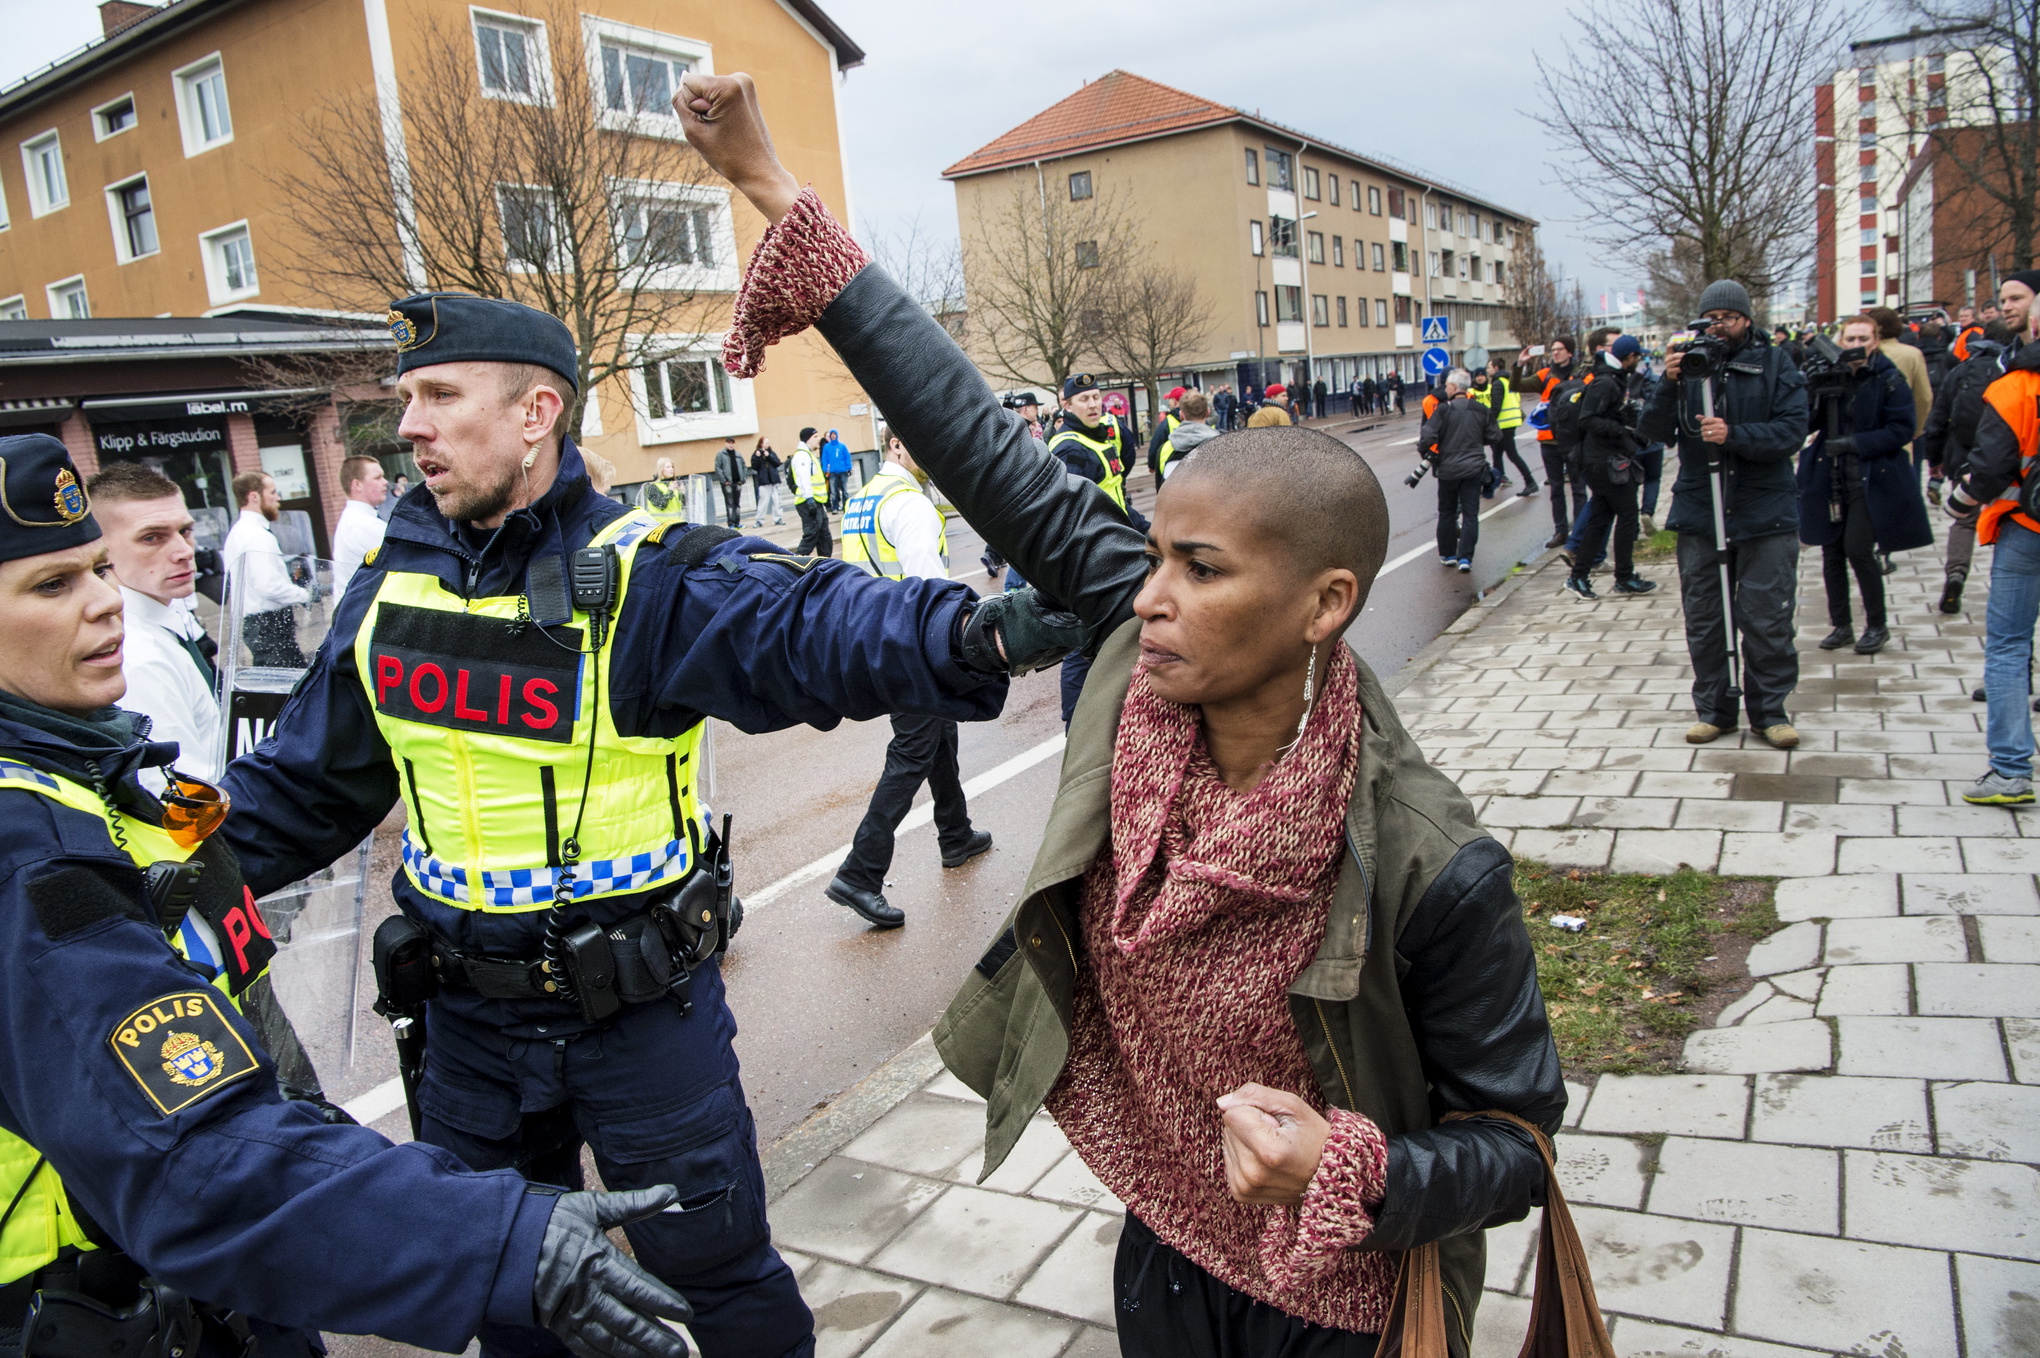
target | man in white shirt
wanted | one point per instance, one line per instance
(810, 496)
(360, 530)
(892, 528)
(256, 569)
(170, 679)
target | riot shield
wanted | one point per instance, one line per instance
(266, 645)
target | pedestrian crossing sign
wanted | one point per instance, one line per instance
(1437, 329)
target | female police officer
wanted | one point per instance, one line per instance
(147, 1153)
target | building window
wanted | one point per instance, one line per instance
(531, 238)
(1087, 254)
(1080, 185)
(202, 111)
(1433, 261)
(1378, 264)
(691, 385)
(1363, 313)
(1374, 199)
(1332, 189)
(1280, 164)
(1869, 268)
(1430, 216)
(1320, 309)
(229, 263)
(1398, 204)
(1255, 238)
(1381, 309)
(14, 308)
(511, 57)
(1936, 63)
(1342, 312)
(1402, 310)
(112, 118)
(1475, 219)
(1282, 237)
(134, 219)
(1316, 245)
(1338, 252)
(654, 232)
(638, 71)
(1469, 268)
(637, 81)
(1288, 304)
(1869, 236)
(1254, 173)
(1402, 256)
(1867, 140)
(43, 160)
(1937, 97)
(1261, 308)
(1868, 174)
(1310, 184)
(67, 300)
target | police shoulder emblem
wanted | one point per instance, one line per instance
(796, 563)
(402, 330)
(180, 1048)
(70, 497)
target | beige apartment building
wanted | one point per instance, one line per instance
(139, 178)
(1317, 261)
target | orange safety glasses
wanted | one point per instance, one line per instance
(192, 810)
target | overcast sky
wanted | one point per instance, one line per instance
(1442, 89)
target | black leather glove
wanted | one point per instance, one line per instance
(1841, 447)
(331, 1113)
(594, 1298)
(1035, 633)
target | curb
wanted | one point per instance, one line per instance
(794, 1156)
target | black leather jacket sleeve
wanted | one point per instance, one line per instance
(1060, 531)
(1469, 985)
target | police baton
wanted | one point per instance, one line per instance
(404, 980)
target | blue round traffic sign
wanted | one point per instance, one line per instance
(1436, 361)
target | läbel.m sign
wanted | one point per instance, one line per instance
(216, 407)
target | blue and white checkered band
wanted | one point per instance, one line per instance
(11, 772)
(531, 887)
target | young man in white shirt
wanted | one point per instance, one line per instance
(170, 679)
(892, 528)
(256, 568)
(810, 496)
(360, 530)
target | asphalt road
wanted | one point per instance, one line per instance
(820, 998)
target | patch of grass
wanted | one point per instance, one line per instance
(1625, 990)
(1662, 545)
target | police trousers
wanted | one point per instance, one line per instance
(656, 1098)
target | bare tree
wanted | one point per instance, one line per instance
(1539, 304)
(1714, 159)
(548, 177)
(1037, 269)
(928, 268)
(1980, 118)
(1150, 321)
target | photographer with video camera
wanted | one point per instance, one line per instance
(1455, 443)
(1736, 407)
(1858, 493)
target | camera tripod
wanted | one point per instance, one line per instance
(1717, 484)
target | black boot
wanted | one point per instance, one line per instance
(869, 904)
(1951, 593)
(980, 841)
(1840, 637)
(1872, 640)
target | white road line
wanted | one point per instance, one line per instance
(919, 816)
(1416, 552)
(377, 1104)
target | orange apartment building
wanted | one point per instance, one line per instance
(1318, 261)
(138, 180)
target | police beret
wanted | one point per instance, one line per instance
(458, 327)
(43, 505)
(1077, 382)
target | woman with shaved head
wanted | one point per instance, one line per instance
(1269, 973)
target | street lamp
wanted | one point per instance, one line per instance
(1309, 319)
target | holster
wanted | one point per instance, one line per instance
(160, 1323)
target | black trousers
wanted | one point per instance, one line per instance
(1764, 579)
(272, 639)
(923, 749)
(1558, 475)
(1611, 506)
(1855, 550)
(731, 496)
(1509, 448)
(814, 529)
(1171, 1308)
(1458, 516)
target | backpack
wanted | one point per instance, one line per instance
(1562, 413)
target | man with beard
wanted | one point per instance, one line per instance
(255, 566)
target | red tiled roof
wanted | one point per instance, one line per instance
(1117, 107)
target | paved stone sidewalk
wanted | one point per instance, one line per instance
(1849, 1166)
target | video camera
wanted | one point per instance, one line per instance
(1704, 354)
(1827, 368)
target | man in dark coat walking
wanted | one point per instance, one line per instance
(1456, 440)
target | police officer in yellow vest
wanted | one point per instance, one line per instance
(170, 1181)
(1159, 450)
(527, 667)
(1092, 444)
(810, 496)
(892, 528)
(1494, 391)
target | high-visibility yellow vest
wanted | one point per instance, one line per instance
(43, 1222)
(489, 721)
(865, 544)
(1168, 448)
(662, 499)
(1507, 404)
(1106, 450)
(807, 478)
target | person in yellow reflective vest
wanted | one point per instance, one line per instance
(1192, 431)
(171, 1181)
(1494, 391)
(1091, 443)
(810, 497)
(663, 497)
(1158, 442)
(892, 528)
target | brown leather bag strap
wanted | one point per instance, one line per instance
(1565, 1318)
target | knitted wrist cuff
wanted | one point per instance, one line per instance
(801, 263)
(1334, 1216)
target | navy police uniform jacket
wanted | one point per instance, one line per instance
(760, 639)
(238, 1196)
